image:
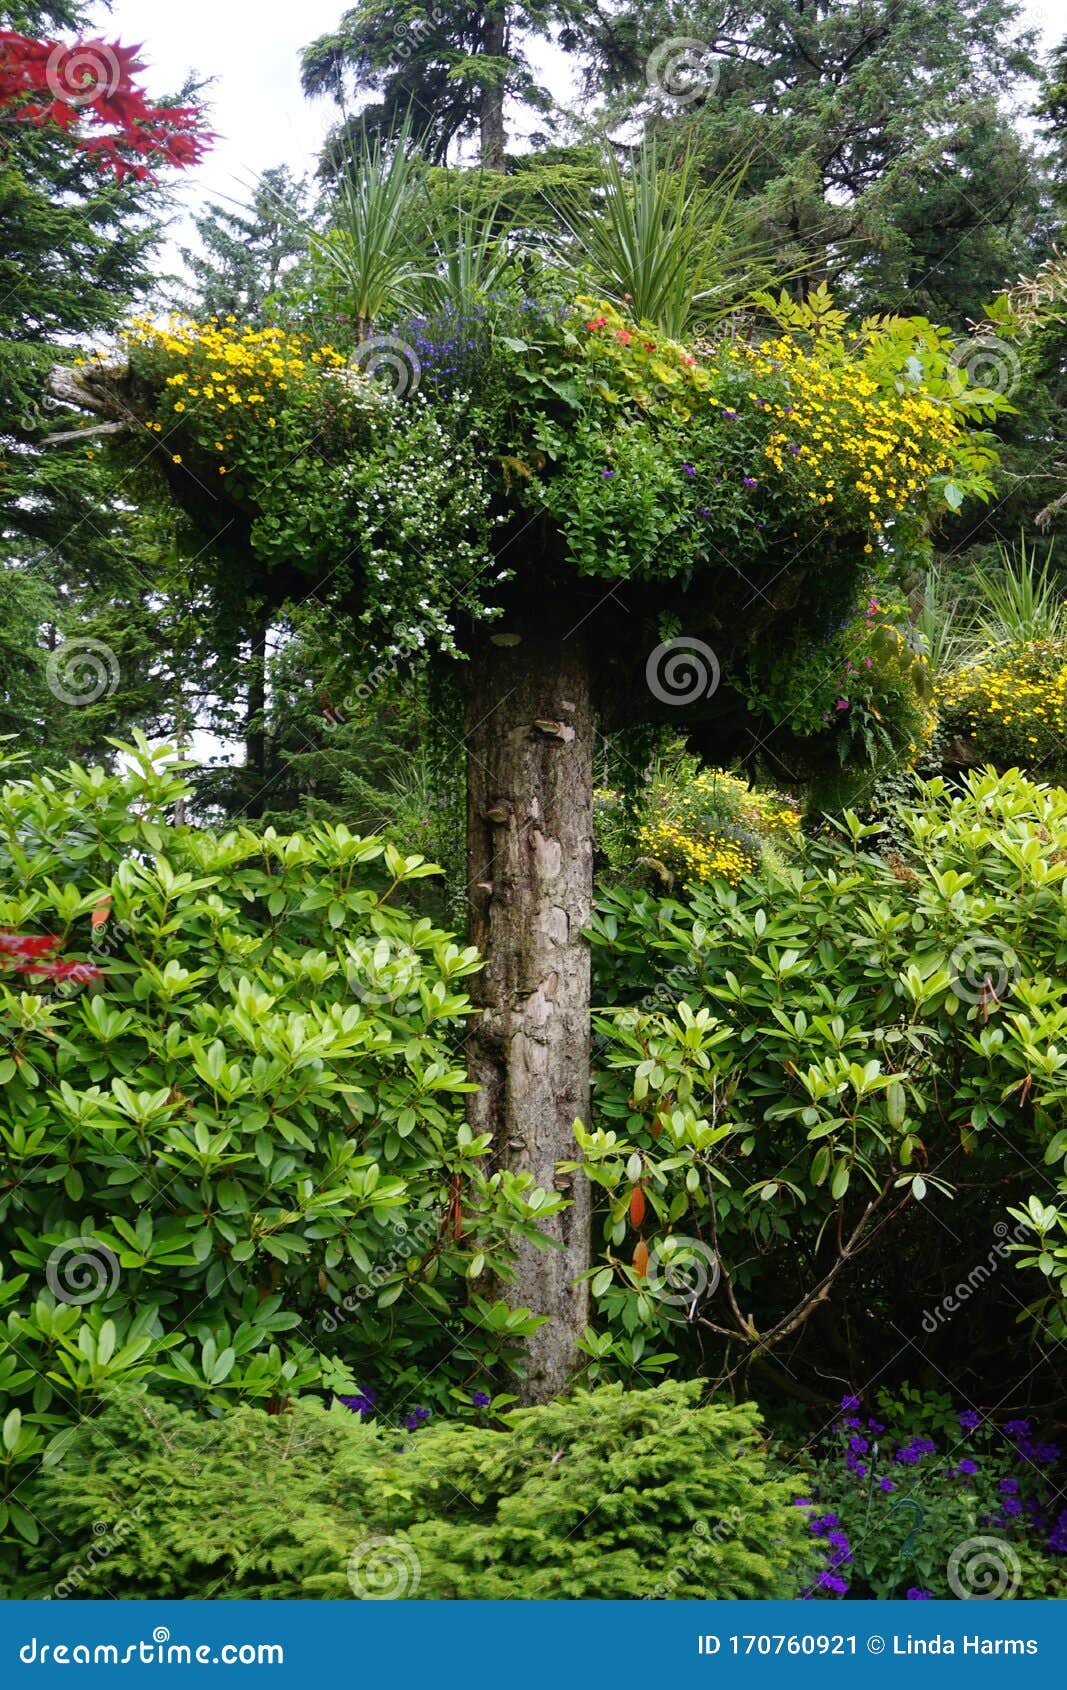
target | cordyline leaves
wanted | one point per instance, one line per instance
(89, 91)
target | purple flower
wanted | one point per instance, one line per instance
(859, 1446)
(831, 1581)
(824, 1524)
(1009, 1487)
(731, 416)
(875, 1427)
(361, 1404)
(969, 1420)
(607, 474)
(852, 1421)
(917, 1595)
(794, 448)
(479, 1399)
(887, 1485)
(749, 481)
(1018, 1428)
(1012, 1505)
(967, 1469)
(415, 1419)
(687, 469)
(802, 1502)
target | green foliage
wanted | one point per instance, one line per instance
(442, 70)
(881, 148)
(661, 247)
(374, 254)
(603, 1495)
(815, 1057)
(246, 256)
(232, 1140)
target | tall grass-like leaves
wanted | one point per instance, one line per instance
(946, 635)
(472, 258)
(661, 245)
(1023, 600)
(376, 254)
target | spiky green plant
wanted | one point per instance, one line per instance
(657, 240)
(376, 253)
(1022, 600)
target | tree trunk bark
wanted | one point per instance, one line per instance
(256, 714)
(491, 111)
(530, 734)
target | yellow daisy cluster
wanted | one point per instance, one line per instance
(848, 432)
(1012, 704)
(701, 832)
(217, 368)
(716, 857)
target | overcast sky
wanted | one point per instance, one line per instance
(251, 48)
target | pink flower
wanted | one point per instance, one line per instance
(622, 337)
(842, 704)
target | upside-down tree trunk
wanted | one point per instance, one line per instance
(530, 731)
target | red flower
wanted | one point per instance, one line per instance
(26, 944)
(622, 337)
(596, 323)
(66, 969)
